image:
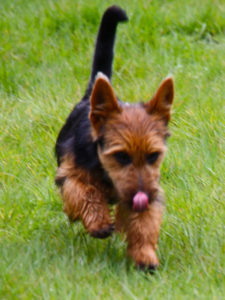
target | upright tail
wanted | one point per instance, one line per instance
(103, 55)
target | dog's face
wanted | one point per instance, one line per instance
(132, 140)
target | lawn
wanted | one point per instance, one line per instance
(46, 49)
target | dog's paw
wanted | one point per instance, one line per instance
(103, 232)
(151, 268)
(144, 258)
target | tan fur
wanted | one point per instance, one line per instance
(142, 231)
(138, 134)
(137, 130)
(83, 196)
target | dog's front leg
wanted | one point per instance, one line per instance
(85, 202)
(142, 232)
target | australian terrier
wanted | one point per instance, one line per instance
(110, 152)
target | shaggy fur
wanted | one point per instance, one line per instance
(110, 152)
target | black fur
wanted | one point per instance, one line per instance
(103, 56)
(75, 136)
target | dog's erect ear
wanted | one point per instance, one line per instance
(162, 101)
(103, 101)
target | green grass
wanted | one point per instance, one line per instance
(46, 49)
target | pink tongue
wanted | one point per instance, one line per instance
(140, 201)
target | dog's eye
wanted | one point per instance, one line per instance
(152, 157)
(123, 158)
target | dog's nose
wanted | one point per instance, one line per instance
(140, 201)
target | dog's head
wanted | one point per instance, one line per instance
(131, 140)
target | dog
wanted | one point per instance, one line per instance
(110, 152)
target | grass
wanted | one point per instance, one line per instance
(46, 49)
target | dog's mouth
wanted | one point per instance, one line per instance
(140, 202)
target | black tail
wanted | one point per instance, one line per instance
(103, 55)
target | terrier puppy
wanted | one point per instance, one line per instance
(110, 152)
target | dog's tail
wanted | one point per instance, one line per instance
(103, 55)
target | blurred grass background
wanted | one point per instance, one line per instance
(46, 49)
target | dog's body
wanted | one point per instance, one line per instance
(109, 152)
